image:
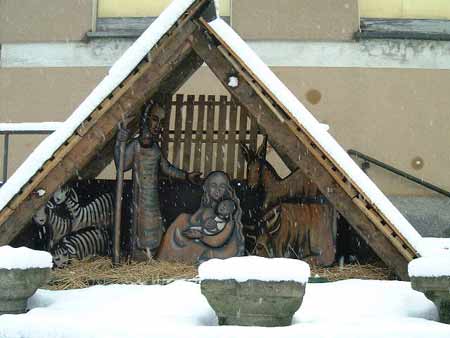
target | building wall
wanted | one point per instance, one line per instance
(137, 8)
(44, 20)
(331, 20)
(40, 95)
(406, 9)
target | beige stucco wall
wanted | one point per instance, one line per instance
(330, 20)
(44, 20)
(393, 115)
(40, 95)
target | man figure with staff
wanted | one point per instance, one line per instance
(144, 156)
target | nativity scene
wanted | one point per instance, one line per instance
(201, 186)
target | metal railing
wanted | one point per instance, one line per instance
(9, 129)
(396, 171)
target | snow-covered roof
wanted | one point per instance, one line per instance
(117, 73)
(306, 120)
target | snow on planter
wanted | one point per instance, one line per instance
(431, 275)
(431, 266)
(24, 258)
(254, 291)
(247, 268)
(22, 272)
(117, 73)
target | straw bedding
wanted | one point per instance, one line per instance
(99, 271)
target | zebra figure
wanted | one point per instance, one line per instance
(97, 213)
(85, 243)
(53, 226)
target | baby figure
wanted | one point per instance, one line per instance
(209, 221)
(224, 211)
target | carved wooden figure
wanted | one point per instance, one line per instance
(260, 173)
(214, 231)
(302, 231)
(144, 156)
(295, 230)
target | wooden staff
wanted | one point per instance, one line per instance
(119, 195)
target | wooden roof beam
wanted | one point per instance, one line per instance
(294, 152)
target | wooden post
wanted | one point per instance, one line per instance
(118, 211)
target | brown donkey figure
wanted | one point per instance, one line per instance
(260, 173)
(295, 230)
(302, 231)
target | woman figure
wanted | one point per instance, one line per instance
(208, 233)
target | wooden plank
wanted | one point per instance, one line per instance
(100, 161)
(188, 133)
(209, 158)
(166, 127)
(177, 136)
(221, 145)
(243, 118)
(231, 141)
(289, 146)
(199, 133)
(6, 212)
(253, 142)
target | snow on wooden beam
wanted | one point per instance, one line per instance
(299, 150)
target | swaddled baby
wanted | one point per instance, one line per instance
(210, 221)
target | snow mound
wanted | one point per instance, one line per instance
(23, 258)
(252, 267)
(347, 309)
(430, 266)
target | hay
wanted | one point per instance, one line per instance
(354, 271)
(99, 271)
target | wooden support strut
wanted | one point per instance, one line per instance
(298, 151)
(80, 149)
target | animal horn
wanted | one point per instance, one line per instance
(262, 150)
(245, 151)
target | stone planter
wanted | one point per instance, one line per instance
(17, 285)
(436, 289)
(254, 302)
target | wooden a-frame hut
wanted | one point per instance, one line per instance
(186, 35)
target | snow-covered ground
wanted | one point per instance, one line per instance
(352, 308)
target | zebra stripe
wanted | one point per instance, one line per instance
(85, 243)
(56, 226)
(59, 226)
(98, 212)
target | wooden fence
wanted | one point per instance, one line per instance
(203, 134)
